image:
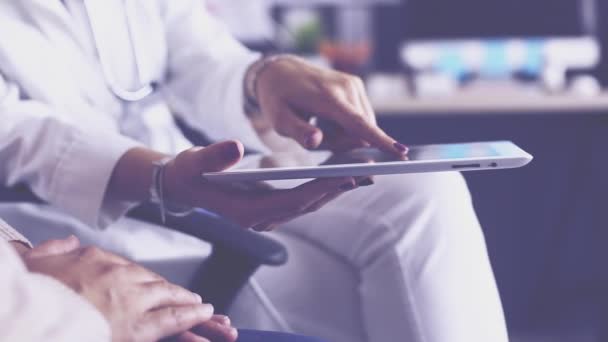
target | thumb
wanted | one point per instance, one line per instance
(187, 169)
(220, 156)
(55, 247)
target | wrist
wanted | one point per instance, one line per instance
(252, 81)
(161, 187)
(132, 176)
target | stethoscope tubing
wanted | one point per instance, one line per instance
(127, 95)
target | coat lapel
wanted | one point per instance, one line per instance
(43, 50)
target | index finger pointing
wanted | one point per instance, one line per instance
(357, 125)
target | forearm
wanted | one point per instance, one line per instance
(132, 176)
(65, 165)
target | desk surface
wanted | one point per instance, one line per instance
(479, 104)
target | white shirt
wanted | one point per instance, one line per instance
(62, 128)
(39, 308)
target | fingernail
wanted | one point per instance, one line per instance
(311, 141)
(234, 332)
(402, 148)
(207, 309)
(366, 182)
(234, 151)
(348, 186)
(198, 297)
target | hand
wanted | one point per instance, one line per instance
(261, 208)
(139, 305)
(291, 91)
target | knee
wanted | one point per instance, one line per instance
(429, 191)
(417, 212)
(440, 214)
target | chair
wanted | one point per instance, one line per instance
(233, 248)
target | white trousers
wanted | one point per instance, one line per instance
(403, 260)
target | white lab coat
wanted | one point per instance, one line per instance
(404, 260)
(63, 130)
(48, 59)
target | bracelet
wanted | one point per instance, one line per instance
(252, 104)
(157, 192)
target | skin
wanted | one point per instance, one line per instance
(333, 96)
(217, 329)
(290, 92)
(139, 305)
(308, 91)
(260, 208)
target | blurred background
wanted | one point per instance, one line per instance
(531, 71)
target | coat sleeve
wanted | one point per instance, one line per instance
(38, 308)
(7, 233)
(207, 67)
(66, 165)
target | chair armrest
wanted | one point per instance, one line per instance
(201, 224)
(19, 194)
(219, 232)
(237, 253)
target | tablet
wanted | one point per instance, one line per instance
(373, 162)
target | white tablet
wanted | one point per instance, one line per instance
(370, 161)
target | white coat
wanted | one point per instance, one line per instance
(403, 260)
(48, 58)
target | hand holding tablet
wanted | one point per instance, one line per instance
(372, 162)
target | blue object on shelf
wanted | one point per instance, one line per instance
(496, 63)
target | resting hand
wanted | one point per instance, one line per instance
(139, 305)
(291, 91)
(217, 329)
(261, 208)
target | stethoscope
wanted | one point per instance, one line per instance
(143, 90)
